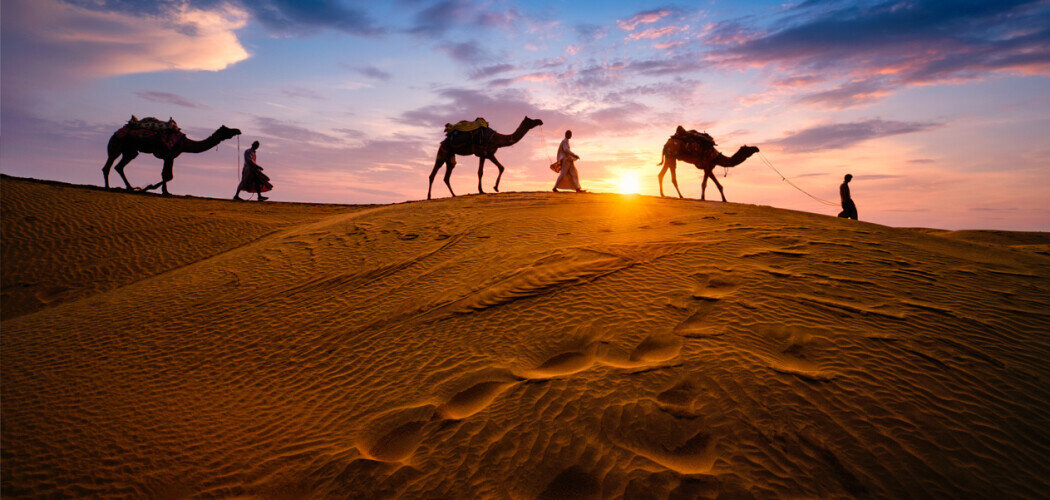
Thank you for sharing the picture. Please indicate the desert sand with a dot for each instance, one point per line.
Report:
(519, 345)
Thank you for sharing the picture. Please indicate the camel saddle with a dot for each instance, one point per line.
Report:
(693, 136)
(151, 123)
(465, 126)
(151, 128)
(473, 135)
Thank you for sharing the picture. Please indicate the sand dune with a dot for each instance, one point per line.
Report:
(518, 345)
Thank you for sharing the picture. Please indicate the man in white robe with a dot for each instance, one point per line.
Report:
(568, 178)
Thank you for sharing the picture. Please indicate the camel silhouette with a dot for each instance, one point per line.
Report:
(483, 143)
(165, 143)
(699, 150)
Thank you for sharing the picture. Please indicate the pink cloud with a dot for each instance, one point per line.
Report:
(535, 77)
(92, 43)
(652, 33)
(666, 45)
(647, 17)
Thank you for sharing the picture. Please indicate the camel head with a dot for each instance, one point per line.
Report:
(225, 132)
(749, 150)
(530, 123)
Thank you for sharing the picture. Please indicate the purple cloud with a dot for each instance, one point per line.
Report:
(374, 72)
(849, 94)
(284, 17)
(885, 46)
(169, 98)
(466, 52)
(301, 92)
(493, 70)
(842, 135)
(437, 19)
(287, 132)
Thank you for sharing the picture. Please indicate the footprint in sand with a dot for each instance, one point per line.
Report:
(565, 363)
(795, 353)
(649, 353)
(680, 395)
(679, 442)
(395, 435)
(474, 393)
(709, 289)
(657, 348)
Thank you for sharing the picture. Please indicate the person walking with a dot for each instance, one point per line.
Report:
(849, 209)
(253, 180)
(568, 178)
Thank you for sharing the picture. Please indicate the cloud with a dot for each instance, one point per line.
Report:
(646, 17)
(169, 98)
(842, 135)
(301, 92)
(305, 17)
(279, 17)
(466, 52)
(667, 45)
(493, 70)
(652, 33)
(54, 44)
(878, 48)
(437, 19)
(374, 72)
(287, 132)
(590, 32)
(849, 94)
(684, 63)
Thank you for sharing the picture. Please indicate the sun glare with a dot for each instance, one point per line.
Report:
(629, 184)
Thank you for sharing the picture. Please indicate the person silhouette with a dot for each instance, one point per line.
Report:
(253, 180)
(849, 209)
(568, 178)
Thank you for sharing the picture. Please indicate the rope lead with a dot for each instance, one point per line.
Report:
(785, 179)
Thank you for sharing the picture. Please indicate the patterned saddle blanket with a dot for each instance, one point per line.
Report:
(151, 123)
(465, 126)
(149, 128)
(693, 136)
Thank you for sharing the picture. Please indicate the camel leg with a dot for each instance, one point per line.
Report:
(105, 169)
(492, 157)
(717, 184)
(703, 185)
(119, 167)
(481, 169)
(165, 176)
(661, 176)
(449, 165)
(433, 173)
(672, 163)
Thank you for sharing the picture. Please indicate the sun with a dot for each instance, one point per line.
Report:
(629, 184)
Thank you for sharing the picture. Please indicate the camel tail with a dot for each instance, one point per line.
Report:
(663, 158)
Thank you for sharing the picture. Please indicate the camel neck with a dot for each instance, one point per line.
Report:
(192, 146)
(507, 140)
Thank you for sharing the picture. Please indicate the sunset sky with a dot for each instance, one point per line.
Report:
(940, 109)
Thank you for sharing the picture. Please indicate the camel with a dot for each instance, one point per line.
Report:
(482, 143)
(165, 143)
(699, 150)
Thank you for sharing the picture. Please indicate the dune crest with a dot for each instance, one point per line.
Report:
(520, 345)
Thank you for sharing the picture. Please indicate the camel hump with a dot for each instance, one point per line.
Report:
(151, 123)
(466, 126)
(693, 136)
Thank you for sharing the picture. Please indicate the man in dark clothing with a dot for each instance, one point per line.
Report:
(849, 209)
(253, 180)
